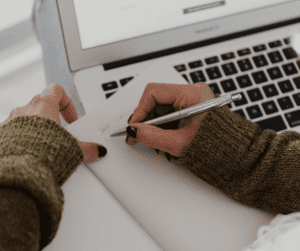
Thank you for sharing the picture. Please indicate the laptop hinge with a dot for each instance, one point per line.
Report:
(153, 55)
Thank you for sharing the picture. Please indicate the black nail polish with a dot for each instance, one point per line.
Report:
(102, 151)
(168, 156)
(131, 131)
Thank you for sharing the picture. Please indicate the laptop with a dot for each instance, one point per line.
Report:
(247, 47)
(234, 46)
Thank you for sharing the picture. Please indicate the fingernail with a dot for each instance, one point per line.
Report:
(127, 138)
(131, 131)
(102, 151)
(168, 156)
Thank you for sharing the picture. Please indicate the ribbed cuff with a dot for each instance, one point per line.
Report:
(26, 174)
(37, 155)
(218, 147)
(44, 139)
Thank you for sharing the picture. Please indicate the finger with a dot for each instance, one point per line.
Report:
(176, 94)
(180, 96)
(188, 131)
(130, 118)
(56, 94)
(171, 141)
(148, 103)
(129, 140)
(153, 93)
(90, 151)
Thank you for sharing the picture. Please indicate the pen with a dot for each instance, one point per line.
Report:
(188, 112)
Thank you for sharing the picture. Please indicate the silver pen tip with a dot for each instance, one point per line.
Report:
(236, 97)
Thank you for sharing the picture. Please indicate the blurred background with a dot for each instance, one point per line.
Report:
(22, 74)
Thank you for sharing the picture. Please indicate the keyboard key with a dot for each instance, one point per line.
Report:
(185, 77)
(213, 73)
(254, 112)
(285, 86)
(195, 64)
(285, 103)
(297, 98)
(276, 123)
(298, 63)
(125, 81)
(258, 48)
(240, 112)
(260, 61)
(293, 118)
(229, 106)
(297, 82)
(229, 69)
(109, 86)
(228, 55)
(109, 94)
(270, 107)
(275, 73)
(259, 77)
(242, 101)
(275, 57)
(215, 89)
(244, 52)
(180, 68)
(212, 60)
(228, 85)
(287, 40)
(289, 69)
(198, 76)
(244, 81)
(255, 95)
(290, 53)
(270, 90)
(245, 65)
(275, 44)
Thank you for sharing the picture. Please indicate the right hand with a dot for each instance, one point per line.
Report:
(161, 99)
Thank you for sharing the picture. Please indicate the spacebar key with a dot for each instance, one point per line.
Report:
(275, 123)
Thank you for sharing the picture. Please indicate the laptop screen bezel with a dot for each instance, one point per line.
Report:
(79, 58)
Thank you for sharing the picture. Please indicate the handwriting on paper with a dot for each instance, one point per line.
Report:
(115, 124)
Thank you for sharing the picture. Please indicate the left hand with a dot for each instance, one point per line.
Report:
(48, 104)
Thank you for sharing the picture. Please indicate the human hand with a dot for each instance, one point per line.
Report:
(161, 99)
(48, 104)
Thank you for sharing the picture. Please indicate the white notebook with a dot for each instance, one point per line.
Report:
(175, 208)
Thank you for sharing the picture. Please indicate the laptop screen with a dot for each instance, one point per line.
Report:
(106, 22)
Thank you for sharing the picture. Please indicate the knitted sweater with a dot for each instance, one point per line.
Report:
(37, 155)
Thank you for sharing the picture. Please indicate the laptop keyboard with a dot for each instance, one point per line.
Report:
(266, 75)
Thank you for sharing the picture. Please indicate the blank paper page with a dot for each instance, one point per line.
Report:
(94, 220)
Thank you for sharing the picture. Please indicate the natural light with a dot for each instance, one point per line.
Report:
(14, 12)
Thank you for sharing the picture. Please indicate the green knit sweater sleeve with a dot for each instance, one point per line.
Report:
(256, 168)
(37, 155)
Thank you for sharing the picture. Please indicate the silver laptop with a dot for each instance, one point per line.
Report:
(234, 46)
